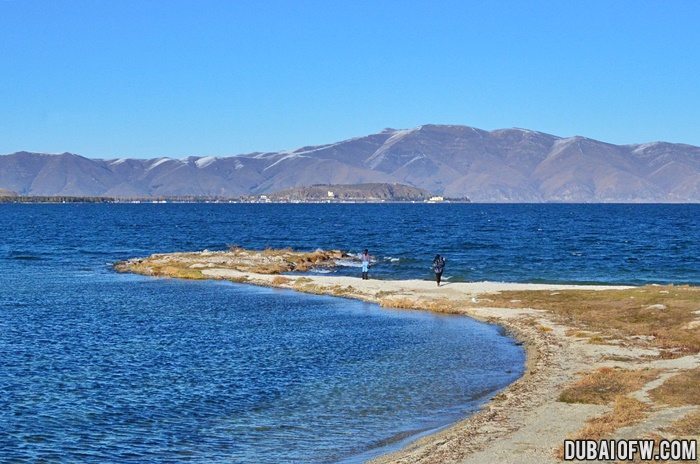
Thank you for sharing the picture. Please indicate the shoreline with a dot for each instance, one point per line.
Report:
(525, 422)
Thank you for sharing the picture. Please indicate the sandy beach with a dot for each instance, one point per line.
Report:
(643, 367)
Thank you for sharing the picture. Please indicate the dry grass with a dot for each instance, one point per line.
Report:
(441, 305)
(383, 294)
(163, 268)
(270, 252)
(398, 302)
(438, 305)
(279, 280)
(662, 314)
(605, 384)
(686, 426)
(269, 261)
(626, 411)
(313, 289)
(270, 268)
(680, 390)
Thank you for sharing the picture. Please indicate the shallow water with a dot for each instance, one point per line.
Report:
(102, 367)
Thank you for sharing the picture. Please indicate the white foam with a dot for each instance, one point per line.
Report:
(347, 263)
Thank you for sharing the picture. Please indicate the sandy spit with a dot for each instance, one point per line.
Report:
(525, 423)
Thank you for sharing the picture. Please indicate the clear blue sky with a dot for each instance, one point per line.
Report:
(147, 78)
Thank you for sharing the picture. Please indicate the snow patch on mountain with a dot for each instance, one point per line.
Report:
(205, 161)
(378, 156)
(159, 162)
(285, 158)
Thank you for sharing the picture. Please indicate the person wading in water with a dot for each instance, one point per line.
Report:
(438, 268)
(365, 257)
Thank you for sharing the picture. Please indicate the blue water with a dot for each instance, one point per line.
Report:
(102, 367)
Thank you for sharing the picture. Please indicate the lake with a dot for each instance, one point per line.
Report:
(98, 366)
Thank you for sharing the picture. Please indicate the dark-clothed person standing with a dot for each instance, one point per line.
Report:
(438, 268)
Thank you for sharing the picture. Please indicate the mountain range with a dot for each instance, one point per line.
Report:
(506, 165)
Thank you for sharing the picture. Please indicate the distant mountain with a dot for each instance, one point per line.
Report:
(7, 193)
(358, 192)
(508, 165)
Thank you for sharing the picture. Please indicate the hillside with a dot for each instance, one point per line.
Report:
(508, 165)
(356, 192)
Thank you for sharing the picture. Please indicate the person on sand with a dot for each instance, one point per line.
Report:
(438, 268)
(365, 257)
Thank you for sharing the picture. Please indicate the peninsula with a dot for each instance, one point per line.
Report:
(602, 361)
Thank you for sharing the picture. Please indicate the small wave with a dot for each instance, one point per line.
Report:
(347, 263)
(25, 257)
(321, 271)
(392, 259)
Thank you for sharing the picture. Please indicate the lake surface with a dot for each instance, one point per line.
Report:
(96, 366)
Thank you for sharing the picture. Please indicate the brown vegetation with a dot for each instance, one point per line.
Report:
(267, 261)
(681, 389)
(626, 411)
(438, 305)
(280, 280)
(688, 425)
(664, 316)
(605, 384)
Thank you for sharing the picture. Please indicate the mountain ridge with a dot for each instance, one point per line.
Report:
(503, 165)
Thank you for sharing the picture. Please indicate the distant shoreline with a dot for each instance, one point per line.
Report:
(210, 200)
(207, 200)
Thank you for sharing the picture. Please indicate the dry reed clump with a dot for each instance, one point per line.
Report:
(302, 281)
(160, 268)
(605, 384)
(269, 261)
(383, 294)
(180, 273)
(688, 425)
(270, 268)
(663, 315)
(439, 305)
(398, 302)
(280, 280)
(269, 252)
(626, 411)
(680, 390)
(339, 290)
(312, 288)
